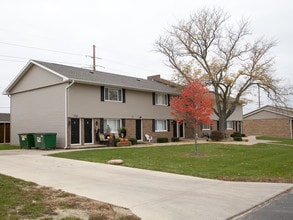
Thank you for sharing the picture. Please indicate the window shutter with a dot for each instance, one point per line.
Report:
(169, 97)
(168, 124)
(102, 94)
(123, 96)
(102, 125)
(154, 98)
(154, 125)
(123, 122)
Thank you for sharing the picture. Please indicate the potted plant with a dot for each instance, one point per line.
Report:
(122, 132)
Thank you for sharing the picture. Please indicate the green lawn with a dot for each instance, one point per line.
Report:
(16, 201)
(261, 162)
(8, 147)
(280, 140)
(26, 200)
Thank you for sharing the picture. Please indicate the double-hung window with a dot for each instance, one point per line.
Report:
(113, 94)
(161, 125)
(161, 99)
(112, 124)
(229, 125)
(206, 127)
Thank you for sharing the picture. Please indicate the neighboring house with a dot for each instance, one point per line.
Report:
(77, 104)
(269, 121)
(4, 128)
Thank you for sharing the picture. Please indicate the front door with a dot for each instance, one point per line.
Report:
(138, 129)
(75, 134)
(88, 133)
(181, 130)
(175, 124)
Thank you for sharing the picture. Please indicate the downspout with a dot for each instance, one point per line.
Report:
(291, 128)
(66, 113)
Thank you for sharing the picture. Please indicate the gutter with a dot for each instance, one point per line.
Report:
(66, 113)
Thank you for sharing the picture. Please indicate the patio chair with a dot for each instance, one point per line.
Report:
(148, 138)
(103, 140)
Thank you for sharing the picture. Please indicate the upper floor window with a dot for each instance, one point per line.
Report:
(113, 94)
(161, 99)
(229, 125)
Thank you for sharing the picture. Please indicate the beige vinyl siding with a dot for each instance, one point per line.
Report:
(40, 110)
(237, 115)
(85, 101)
(36, 77)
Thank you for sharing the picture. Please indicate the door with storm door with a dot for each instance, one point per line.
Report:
(88, 131)
(75, 132)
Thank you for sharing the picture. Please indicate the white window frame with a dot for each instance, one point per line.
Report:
(118, 97)
(229, 125)
(113, 123)
(163, 126)
(161, 99)
(206, 127)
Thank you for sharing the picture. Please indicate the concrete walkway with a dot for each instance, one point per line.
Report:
(149, 194)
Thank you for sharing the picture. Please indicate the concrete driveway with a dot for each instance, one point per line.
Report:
(150, 195)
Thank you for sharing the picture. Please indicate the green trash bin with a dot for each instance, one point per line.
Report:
(26, 140)
(45, 140)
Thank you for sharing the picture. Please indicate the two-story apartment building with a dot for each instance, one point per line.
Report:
(78, 103)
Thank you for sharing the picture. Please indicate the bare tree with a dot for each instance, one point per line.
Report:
(209, 47)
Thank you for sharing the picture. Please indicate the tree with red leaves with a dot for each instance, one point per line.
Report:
(194, 106)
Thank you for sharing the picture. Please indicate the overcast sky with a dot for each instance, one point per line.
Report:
(124, 32)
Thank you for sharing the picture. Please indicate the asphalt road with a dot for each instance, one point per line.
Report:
(280, 207)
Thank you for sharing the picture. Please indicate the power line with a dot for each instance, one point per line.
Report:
(139, 68)
(38, 48)
(17, 61)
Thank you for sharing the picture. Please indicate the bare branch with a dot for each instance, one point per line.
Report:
(206, 46)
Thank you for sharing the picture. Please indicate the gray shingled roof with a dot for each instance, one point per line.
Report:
(4, 117)
(110, 79)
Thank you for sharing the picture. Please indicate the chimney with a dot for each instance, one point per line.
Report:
(158, 78)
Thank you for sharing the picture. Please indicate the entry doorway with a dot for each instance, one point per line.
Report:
(178, 129)
(88, 131)
(182, 130)
(138, 129)
(75, 130)
(175, 129)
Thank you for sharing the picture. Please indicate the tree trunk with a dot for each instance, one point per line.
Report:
(222, 125)
(195, 139)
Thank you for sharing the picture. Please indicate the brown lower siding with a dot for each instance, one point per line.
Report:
(268, 127)
(130, 124)
(4, 133)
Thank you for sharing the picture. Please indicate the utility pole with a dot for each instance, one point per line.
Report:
(94, 58)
